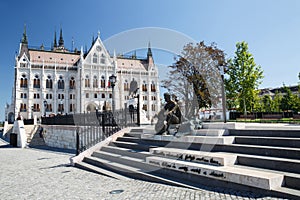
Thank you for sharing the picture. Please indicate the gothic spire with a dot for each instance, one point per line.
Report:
(61, 40)
(149, 53)
(54, 43)
(93, 40)
(24, 38)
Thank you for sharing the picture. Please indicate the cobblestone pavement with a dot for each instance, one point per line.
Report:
(39, 174)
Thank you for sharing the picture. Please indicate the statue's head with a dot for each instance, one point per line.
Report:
(167, 97)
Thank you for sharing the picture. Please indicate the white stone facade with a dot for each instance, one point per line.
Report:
(57, 81)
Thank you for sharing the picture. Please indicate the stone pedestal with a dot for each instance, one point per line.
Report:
(20, 131)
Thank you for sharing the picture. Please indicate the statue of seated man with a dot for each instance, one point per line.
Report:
(172, 114)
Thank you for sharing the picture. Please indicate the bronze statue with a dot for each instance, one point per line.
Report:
(171, 114)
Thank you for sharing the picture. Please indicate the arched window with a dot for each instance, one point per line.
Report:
(95, 58)
(144, 86)
(23, 107)
(72, 83)
(145, 108)
(61, 83)
(95, 82)
(49, 84)
(153, 88)
(102, 59)
(36, 82)
(23, 81)
(126, 85)
(102, 82)
(153, 107)
(87, 81)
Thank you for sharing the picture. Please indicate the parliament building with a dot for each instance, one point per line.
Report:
(59, 81)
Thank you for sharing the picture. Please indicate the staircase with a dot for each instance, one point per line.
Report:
(265, 161)
(34, 136)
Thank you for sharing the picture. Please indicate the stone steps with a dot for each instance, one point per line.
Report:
(268, 141)
(252, 178)
(132, 145)
(98, 170)
(126, 152)
(265, 133)
(138, 168)
(193, 139)
(272, 163)
(291, 180)
(134, 172)
(30, 131)
(211, 132)
(273, 151)
(211, 158)
(254, 162)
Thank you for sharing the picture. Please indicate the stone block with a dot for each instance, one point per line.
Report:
(192, 139)
(221, 125)
(249, 177)
(211, 158)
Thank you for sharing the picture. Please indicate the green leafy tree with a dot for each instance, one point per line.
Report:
(287, 102)
(243, 79)
(267, 103)
(277, 102)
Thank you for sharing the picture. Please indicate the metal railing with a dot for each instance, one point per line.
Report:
(95, 127)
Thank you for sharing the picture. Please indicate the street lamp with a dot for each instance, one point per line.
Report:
(223, 94)
(112, 81)
(32, 110)
(61, 106)
(45, 107)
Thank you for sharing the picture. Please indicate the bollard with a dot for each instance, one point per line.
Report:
(13, 140)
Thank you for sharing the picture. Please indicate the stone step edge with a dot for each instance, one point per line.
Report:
(204, 152)
(141, 172)
(98, 170)
(194, 139)
(121, 149)
(267, 138)
(247, 177)
(211, 158)
(200, 132)
(99, 153)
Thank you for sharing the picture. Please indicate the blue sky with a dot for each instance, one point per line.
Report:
(270, 27)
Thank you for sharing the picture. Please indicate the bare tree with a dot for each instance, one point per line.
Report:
(195, 76)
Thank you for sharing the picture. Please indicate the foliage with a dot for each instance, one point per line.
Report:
(267, 103)
(243, 79)
(277, 102)
(197, 75)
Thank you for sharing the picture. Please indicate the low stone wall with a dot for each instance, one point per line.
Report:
(60, 136)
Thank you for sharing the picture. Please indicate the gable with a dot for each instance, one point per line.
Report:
(98, 54)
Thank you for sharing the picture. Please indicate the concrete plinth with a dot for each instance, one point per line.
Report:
(253, 178)
(211, 158)
(192, 139)
(221, 125)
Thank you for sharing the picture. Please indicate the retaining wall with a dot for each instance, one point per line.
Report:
(60, 136)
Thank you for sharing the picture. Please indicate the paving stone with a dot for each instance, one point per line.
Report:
(40, 174)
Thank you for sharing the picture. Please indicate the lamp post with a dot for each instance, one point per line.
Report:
(45, 107)
(32, 110)
(61, 106)
(223, 94)
(113, 80)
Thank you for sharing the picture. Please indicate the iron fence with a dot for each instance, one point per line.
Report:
(263, 115)
(95, 127)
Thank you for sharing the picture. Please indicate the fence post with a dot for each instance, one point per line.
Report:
(125, 115)
(77, 141)
(138, 110)
(103, 122)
